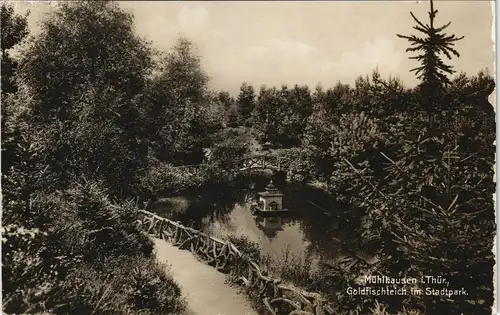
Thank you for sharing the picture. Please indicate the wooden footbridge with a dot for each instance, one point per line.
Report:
(276, 298)
(274, 163)
(262, 162)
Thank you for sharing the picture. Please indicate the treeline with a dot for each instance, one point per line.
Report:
(285, 116)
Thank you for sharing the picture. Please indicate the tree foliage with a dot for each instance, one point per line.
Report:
(280, 116)
(14, 30)
(181, 110)
(431, 215)
(82, 81)
(419, 186)
(245, 103)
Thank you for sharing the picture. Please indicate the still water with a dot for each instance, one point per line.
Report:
(273, 234)
(308, 231)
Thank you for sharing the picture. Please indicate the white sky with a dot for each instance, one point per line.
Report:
(296, 42)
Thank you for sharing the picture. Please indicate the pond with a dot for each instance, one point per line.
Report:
(307, 231)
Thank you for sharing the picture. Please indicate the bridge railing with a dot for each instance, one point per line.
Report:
(276, 297)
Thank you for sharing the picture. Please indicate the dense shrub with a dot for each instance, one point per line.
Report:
(125, 285)
(229, 148)
(131, 286)
(89, 256)
(329, 140)
(165, 179)
(246, 246)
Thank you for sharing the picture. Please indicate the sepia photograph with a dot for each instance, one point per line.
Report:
(248, 158)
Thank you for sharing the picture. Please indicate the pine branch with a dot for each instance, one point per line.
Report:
(420, 29)
(418, 22)
(363, 178)
(439, 29)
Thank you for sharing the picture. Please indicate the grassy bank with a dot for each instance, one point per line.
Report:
(291, 269)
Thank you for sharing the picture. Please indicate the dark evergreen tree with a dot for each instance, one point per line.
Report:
(227, 104)
(225, 99)
(432, 70)
(338, 99)
(246, 103)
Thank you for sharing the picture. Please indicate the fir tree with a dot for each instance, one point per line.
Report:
(432, 71)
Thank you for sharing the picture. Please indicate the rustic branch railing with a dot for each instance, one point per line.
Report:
(263, 162)
(276, 297)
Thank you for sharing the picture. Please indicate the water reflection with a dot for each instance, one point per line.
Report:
(273, 238)
(269, 225)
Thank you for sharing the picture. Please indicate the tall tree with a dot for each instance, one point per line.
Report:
(84, 75)
(318, 96)
(432, 70)
(266, 115)
(180, 113)
(296, 108)
(228, 104)
(246, 103)
(225, 99)
(339, 99)
(182, 72)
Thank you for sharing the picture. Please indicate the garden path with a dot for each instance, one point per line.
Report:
(205, 289)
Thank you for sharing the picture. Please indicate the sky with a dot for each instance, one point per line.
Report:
(311, 42)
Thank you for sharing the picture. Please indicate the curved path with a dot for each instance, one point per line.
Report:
(203, 286)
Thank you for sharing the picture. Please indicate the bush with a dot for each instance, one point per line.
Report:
(90, 257)
(165, 179)
(125, 286)
(129, 286)
(55, 238)
(246, 246)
